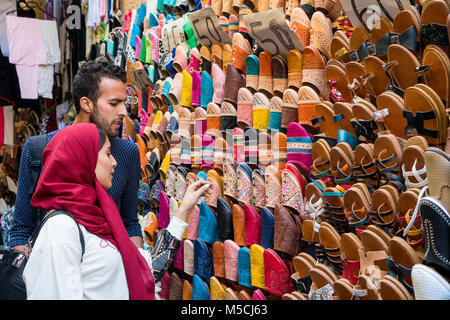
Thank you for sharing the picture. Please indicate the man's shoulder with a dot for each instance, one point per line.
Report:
(123, 147)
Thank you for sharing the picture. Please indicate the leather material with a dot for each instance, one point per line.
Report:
(279, 156)
(251, 146)
(200, 290)
(170, 180)
(286, 232)
(244, 183)
(203, 261)
(252, 75)
(245, 108)
(292, 183)
(180, 183)
(172, 127)
(164, 214)
(257, 266)
(180, 60)
(238, 145)
(275, 113)
(280, 75)
(261, 111)
(295, 66)
(233, 82)
(252, 226)
(239, 225)
(244, 273)
(194, 61)
(186, 153)
(188, 249)
(258, 295)
(277, 276)
(193, 221)
(150, 226)
(187, 290)
(217, 290)
(313, 69)
(218, 77)
(289, 109)
(259, 188)
(213, 119)
(176, 89)
(225, 220)
(299, 146)
(196, 88)
(207, 226)
(267, 228)
(216, 190)
(207, 151)
(220, 151)
(228, 116)
(176, 287)
(200, 123)
(231, 250)
(186, 93)
(219, 259)
(265, 84)
(240, 50)
(196, 151)
(207, 90)
(165, 286)
(226, 53)
(264, 149)
(230, 178)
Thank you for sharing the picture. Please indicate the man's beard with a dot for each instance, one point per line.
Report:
(96, 118)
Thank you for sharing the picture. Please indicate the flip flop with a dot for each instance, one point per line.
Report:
(394, 120)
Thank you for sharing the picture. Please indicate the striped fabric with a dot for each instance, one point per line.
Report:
(207, 152)
(238, 145)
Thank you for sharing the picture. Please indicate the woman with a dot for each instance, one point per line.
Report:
(77, 170)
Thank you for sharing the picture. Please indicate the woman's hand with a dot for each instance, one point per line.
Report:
(190, 199)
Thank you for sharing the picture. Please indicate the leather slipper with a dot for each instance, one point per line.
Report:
(280, 75)
(220, 151)
(216, 190)
(176, 287)
(303, 264)
(184, 122)
(261, 111)
(295, 66)
(185, 157)
(259, 189)
(207, 225)
(252, 225)
(265, 84)
(241, 49)
(244, 273)
(243, 295)
(287, 232)
(299, 147)
(225, 220)
(257, 266)
(321, 33)
(219, 259)
(358, 44)
(273, 186)
(205, 60)
(307, 100)
(239, 225)
(176, 89)
(173, 125)
(188, 250)
(251, 146)
(405, 30)
(175, 150)
(226, 51)
(200, 124)
(289, 108)
(300, 23)
(233, 82)
(203, 261)
(277, 276)
(267, 228)
(187, 290)
(244, 108)
(264, 149)
(404, 72)
(218, 77)
(192, 228)
(252, 74)
(231, 250)
(196, 151)
(212, 119)
(206, 90)
(244, 183)
(207, 152)
(230, 179)
(228, 116)
(314, 70)
(276, 104)
(217, 290)
(238, 145)
(230, 294)
(180, 183)
(200, 290)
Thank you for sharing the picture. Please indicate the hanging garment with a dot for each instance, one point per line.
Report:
(6, 125)
(46, 72)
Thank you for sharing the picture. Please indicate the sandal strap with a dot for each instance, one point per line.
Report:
(303, 284)
(416, 122)
(349, 267)
(359, 54)
(365, 128)
(406, 39)
(416, 210)
(324, 293)
(416, 174)
(433, 33)
(399, 271)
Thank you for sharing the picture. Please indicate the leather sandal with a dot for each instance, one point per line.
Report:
(323, 279)
(434, 22)
(340, 47)
(437, 76)
(351, 245)
(393, 289)
(330, 241)
(376, 247)
(337, 76)
(365, 289)
(313, 198)
(343, 289)
(413, 167)
(365, 170)
(357, 207)
(324, 119)
(321, 166)
(342, 160)
(384, 208)
(411, 228)
(334, 210)
(303, 264)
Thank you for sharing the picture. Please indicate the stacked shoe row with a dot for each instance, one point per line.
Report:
(320, 183)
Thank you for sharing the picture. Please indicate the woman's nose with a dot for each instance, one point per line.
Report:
(114, 162)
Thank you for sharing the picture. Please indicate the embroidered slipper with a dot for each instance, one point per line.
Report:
(184, 123)
(265, 84)
(244, 183)
(314, 70)
(231, 250)
(244, 108)
(287, 232)
(238, 145)
(170, 180)
(220, 151)
(225, 220)
(185, 159)
(264, 149)
(180, 183)
(239, 225)
(212, 119)
(219, 259)
(228, 116)
(203, 261)
(342, 160)
(261, 111)
(434, 22)
(384, 208)
(289, 109)
(176, 287)
(300, 23)
(273, 186)
(330, 241)
(321, 33)
(392, 289)
(437, 76)
(277, 275)
(252, 74)
(257, 266)
(364, 170)
(200, 290)
(293, 186)
(216, 190)
(233, 23)
(230, 294)
(230, 178)
(259, 189)
(276, 104)
(280, 75)
(217, 290)
(295, 66)
(279, 150)
(188, 250)
(193, 220)
(241, 49)
(206, 90)
(196, 152)
(244, 273)
(207, 152)
(218, 77)
(351, 245)
(299, 147)
(388, 153)
(251, 146)
(175, 150)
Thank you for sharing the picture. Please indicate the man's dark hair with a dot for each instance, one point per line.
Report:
(103, 136)
(86, 82)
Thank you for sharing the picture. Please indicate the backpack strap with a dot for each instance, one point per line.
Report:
(37, 146)
(35, 234)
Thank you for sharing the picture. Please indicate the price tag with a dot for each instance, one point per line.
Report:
(271, 32)
(141, 79)
(172, 35)
(207, 28)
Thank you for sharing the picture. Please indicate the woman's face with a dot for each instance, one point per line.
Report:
(105, 165)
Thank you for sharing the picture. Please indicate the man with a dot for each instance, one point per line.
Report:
(99, 94)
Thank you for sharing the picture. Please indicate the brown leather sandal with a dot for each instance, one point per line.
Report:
(365, 170)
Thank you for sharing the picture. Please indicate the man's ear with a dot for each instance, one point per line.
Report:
(86, 104)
